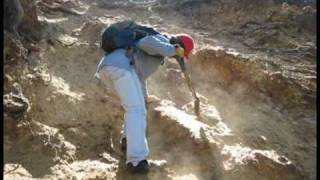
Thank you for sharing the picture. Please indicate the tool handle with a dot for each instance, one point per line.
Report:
(190, 85)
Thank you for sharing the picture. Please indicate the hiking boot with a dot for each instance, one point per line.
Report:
(142, 167)
(123, 144)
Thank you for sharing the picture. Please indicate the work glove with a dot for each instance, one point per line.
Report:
(179, 51)
(179, 56)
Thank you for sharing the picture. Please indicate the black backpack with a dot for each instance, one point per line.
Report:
(123, 35)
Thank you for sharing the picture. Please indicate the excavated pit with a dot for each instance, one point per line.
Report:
(63, 124)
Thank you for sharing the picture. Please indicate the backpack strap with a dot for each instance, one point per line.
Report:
(130, 53)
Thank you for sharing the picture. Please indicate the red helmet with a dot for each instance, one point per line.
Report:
(187, 43)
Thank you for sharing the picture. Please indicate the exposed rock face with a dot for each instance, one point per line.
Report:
(15, 104)
(214, 141)
(13, 51)
(44, 142)
(231, 73)
(253, 70)
(16, 171)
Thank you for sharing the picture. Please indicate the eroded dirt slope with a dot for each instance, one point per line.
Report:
(253, 68)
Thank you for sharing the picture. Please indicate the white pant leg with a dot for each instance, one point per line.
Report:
(128, 87)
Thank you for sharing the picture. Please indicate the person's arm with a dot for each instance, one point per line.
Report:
(157, 45)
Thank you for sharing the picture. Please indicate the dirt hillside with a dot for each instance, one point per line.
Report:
(254, 69)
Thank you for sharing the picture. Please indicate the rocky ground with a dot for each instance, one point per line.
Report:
(254, 69)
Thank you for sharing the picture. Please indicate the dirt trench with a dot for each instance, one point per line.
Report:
(72, 128)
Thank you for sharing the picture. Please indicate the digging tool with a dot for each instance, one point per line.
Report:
(191, 87)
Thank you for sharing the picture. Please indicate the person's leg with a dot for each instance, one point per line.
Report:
(136, 130)
(129, 89)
